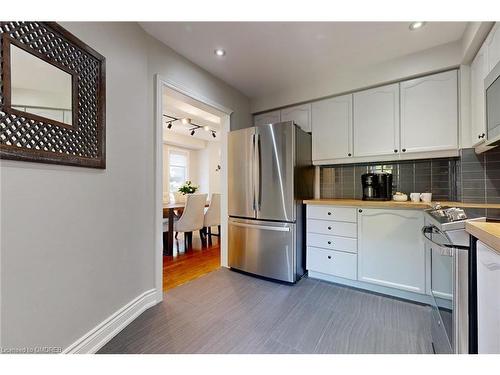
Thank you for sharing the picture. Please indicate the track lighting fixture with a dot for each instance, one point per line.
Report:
(188, 121)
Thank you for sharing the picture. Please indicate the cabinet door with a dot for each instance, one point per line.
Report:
(267, 118)
(488, 299)
(376, 121)
(301, 115)
(493, 45)
(429, 113)
(391, 249)
(332, 128)
(478, 70)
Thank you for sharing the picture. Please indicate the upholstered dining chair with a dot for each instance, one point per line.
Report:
(212, 215)
(191, 219)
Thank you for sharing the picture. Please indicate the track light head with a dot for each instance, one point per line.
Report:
(192, 132)
(213, 134)
(169, 126)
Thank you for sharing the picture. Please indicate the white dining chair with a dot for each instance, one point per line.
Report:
(212, 215)
(191, 219)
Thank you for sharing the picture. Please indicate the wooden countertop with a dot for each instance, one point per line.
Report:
(488, 233)
(394, 204)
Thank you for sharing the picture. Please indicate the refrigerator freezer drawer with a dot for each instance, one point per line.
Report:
(263, 248)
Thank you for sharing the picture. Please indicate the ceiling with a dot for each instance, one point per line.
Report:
(266, 57)
(180, 106)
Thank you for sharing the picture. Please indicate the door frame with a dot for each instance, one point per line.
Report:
(161, 82)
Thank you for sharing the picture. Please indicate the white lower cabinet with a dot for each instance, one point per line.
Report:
(331, 262)
(488, 299)
(381, 250)
(390, 249)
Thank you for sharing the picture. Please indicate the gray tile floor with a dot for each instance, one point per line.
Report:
(227, 312)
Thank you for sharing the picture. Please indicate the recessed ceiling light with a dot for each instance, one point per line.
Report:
(206, 128)
(186, 121)
(220, 52)
(416, 25)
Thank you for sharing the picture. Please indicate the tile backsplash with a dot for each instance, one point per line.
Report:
(437, 176)
(469, 178)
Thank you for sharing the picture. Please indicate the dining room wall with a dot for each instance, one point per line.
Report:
(77, 244)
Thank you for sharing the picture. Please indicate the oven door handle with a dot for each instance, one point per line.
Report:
(429, 229)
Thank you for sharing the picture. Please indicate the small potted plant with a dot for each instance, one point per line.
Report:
(186, 188)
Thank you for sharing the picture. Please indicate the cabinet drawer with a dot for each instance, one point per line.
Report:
(334, 228)
(332, 242)
(332, 262)
(347, 214)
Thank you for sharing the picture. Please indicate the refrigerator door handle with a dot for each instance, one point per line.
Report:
(252, 172)
(259, 175)
(264, 227)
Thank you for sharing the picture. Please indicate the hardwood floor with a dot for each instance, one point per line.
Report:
(228, 312)
(191, 263)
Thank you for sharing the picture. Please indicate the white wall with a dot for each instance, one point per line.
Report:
(78, 244)
(208, 177)
(437, 58)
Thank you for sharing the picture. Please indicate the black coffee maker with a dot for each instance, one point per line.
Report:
(377, 186)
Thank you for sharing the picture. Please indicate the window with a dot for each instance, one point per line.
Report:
(178, 162)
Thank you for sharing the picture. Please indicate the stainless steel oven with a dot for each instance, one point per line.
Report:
(448, 251)
(447, 244)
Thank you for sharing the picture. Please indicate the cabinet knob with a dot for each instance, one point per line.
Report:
(479, 136)
(329, 242)
(329, 228)
(360, 210)
(404, 150)
(395, 150)
(329, 213)
(483, 135)
(349, 154)
(329, 257)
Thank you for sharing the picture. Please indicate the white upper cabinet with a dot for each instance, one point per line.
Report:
(376, 121)
(332, 128)
(478, 71)
(493, 46)
(300, 114)
(391, 249)
(267, 118)
(429, 113)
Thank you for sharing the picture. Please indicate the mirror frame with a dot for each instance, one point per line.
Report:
(29, 137)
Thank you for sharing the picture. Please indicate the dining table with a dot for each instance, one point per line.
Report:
(169, 212)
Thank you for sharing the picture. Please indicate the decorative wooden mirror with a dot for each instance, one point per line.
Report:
(52, 96)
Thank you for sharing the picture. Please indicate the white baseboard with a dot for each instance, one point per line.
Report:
(96, 338)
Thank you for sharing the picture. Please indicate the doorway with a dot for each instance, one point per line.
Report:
(191, 146)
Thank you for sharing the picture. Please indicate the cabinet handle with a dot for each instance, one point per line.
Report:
(329, 257)
(395, 150)
(404, 150)
(329, 228)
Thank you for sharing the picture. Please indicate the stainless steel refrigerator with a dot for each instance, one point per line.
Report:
(270, 172)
